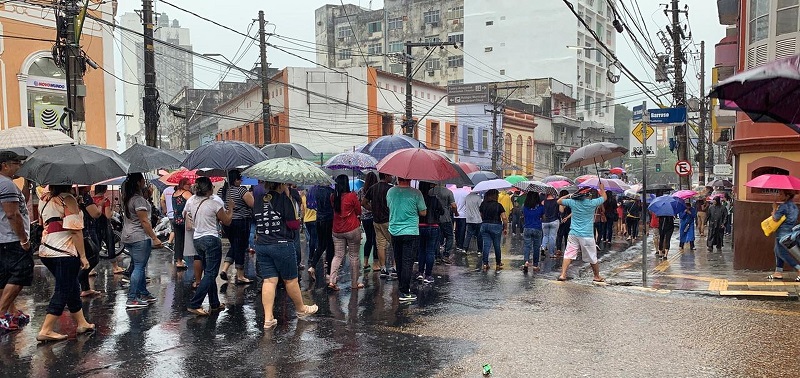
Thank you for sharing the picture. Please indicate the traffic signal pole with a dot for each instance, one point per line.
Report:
(645, 213)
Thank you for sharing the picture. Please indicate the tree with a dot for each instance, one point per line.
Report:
(622, 130)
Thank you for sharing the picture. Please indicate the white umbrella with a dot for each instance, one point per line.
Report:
(23, 136)
(491, 184)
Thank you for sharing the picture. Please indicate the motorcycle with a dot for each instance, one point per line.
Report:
(163, 229)
(114, 237)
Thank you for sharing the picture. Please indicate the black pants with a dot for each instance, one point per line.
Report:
(370, 244)
(633, 227)
(238, 234)
(666, 226)
(180, 237)
(561, 236)
(93, 258)
(461, 231)
(406, 248)
(324, 243)
(67, 291)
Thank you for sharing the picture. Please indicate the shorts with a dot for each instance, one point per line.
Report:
(586, 245)
(16, 265)
(382, 236)
(276, 260)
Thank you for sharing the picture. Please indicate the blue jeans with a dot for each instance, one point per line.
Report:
(140, 255)
(209, 249)
(461, 231)
(491, 234)
(550, 232)
(473, 229)
(428, 244)
(532, 243)
(311, 238)
(446, 235)
(782, 254)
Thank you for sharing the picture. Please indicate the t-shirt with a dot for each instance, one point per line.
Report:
(472, 205)
(347, 219)
(446, 198)
(271, 212)
(460, 197)
(376, 195)
(550, 210)
(582, 216)
(240, 208)
(405, 203)
(533, 217)
(491, 212)
(204, 215)
(166, 197)
(132, 230)
(504, 199)
(10, 193)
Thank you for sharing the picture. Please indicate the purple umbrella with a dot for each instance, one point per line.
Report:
(351, 160)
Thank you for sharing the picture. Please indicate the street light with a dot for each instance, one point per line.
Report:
(610, 75)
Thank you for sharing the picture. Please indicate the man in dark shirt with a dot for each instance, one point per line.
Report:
(322, 195)
(375, 200)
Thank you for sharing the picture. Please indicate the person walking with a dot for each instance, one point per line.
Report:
(322, 198)
(375, 201)
(168, 210)
(202, 212)
(717, 213)
(63, 253)
(310, 223)
(580, 233)
(666, 227)
(103, 225)
(728, 203)
(346, 233)
(565, 221)
(472, 214)
(459, 219)
(406, 205)
(429, 229)
(238, 232)
(138, 237)
(90, 213)
(688, 219)
(178, 199)
(701, 207)
(532, 212)
(276, 224)
(633, 217)
(611, 217)
(446, 233)
(599, 225)
(367, 222)
(495, 222)
(788, 209)
(550, 225)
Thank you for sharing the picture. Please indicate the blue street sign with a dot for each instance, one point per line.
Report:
(667, 116)
(637, 112)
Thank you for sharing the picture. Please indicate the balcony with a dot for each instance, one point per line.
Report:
(726, 52)
(728, 11)
(560, 120)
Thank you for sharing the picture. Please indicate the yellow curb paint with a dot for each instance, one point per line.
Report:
(718, 285)
(756, 293)
(689, 277)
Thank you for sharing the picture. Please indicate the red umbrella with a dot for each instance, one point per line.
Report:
(559, 184)
(617, 171)
(417, 164)
(468, 167)
(175, 177)
(769, 181)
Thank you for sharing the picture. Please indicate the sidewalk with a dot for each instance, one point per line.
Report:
(699, 271)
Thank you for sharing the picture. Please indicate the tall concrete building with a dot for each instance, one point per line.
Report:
(174, 72)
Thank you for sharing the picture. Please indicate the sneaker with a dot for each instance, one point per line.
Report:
(135, 303)
(149, 298)
(420, 277)
(407, 297)
(127, 278)
(384, 273)
(393, 273)
(22, 318)
(428, 279)
(8, 323)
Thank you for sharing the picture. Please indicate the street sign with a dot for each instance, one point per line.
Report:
(642, 132)
(667, 116)
(723, 170)
(637, 151)
(461, 94)
(683, 168)
(638, 110)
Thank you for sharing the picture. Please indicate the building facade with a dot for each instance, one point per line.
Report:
(34, 88)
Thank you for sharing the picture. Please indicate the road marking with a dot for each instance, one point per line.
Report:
(759, 293)
(718, 285)
(689, 277)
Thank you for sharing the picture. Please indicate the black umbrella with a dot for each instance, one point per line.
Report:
(720, 183)
(477, 177)
(279, 150)
(462, 179)
(145, 158)
(70, 164)
(22, 151)
(594, 153)
(217, 158)
(387, 144)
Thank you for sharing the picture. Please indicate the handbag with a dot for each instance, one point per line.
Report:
(91, 249)
(770, 225)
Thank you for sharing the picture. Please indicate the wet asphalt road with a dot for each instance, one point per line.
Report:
(522, 325)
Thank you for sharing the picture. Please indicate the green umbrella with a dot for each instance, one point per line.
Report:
(288, 170)
(513, 179)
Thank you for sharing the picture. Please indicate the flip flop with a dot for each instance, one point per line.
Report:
(47, 338)
(600, 280)
(270, 324)
(218, 308)
(359, 286)
(243, 281)
(773, 277)
(197, 311)
(562, 279)
(309, 310)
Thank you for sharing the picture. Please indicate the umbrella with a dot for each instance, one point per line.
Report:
(69, 164)
(117, 181)
(617, 170)
(559, 184)
(216, 158)
(461, 180)
(666, 206)
(351, 160)
(418, 164)
(513, 179)
(535, 186)
(608, 184)
(145, 158)
(385, 145)
(192, 175)
(356, 184)
(468, 167)
(769, 93)
(684, 194)
(583, 178)
(289, 170)
(720, 183)
(23, 136)
(549, 179)
(620, 183)
(279, 150)
(594, 153)
(770, 181)
(22, 151)
(477, 177)
(655, 188)
(491, 184)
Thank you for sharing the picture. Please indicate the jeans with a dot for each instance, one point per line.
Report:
(209, 249)
(599, 231)
(67, 292)
(238, 233)
(180, 238)
(609, 232)
(550, 232)
(276, 260)
(461, 231)
(531, 243)
(405, 248)
(473, 229)
(93, 259)
(371, 244)
(491, 234)
(324, 243)
(633, 227)
(140, 255)
(311, 238)
(350, 243)
(445, 234)
(517, 223)
(782, 254)
(428, 244)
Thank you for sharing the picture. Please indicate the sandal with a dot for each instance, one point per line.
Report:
(80, 330)
(89, 293)
(562, 278)
(197, 311)
(775, 277)
(367, 268)
(309, 310)
(46, 338)
(270, 324)
(119, 270)
(218, 308)
(600, 280)
(359, 286)
(243, 281)
(333, 287)
(181, 266)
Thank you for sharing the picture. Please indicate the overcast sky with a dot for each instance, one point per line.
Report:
(295, 19)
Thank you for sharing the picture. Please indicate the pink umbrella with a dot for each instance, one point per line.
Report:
(583, 178)
(559, 184)
(775, 182)
(684, 194)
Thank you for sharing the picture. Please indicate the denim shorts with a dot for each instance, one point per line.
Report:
(276, 260)
(16, 265)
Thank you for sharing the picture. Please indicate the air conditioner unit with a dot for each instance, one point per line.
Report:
(430, 72)
(601, 114)
(580, 118)
(341, 39)
(422, 27)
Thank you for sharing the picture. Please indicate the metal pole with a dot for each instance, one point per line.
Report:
(265, 108)
(679, 94)
(645, 213)
(75, 87)
(495, 137)
(701, 140)
(409, 124)
(149, 101)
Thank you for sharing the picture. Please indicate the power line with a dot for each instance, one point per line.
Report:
(208, 20)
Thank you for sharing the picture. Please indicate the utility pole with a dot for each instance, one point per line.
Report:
(679, 92)
(496, 137)
(265, 108)
(701, 140)
(409, 125)
(645, 213)
(150, 99)
(76, 90)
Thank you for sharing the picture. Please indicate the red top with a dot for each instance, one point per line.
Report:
(653, 220)
(347, 219)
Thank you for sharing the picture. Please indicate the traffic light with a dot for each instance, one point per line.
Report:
(658, 167)
(672, 145)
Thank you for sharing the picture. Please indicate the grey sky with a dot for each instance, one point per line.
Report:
(295, 19)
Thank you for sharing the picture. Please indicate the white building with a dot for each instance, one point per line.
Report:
(174, 71)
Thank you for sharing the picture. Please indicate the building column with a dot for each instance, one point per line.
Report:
(23, 99)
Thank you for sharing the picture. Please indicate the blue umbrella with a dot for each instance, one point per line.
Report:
(666, 206)
(356, 184)
(387, 144)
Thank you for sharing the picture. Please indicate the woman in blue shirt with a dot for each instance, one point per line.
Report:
(789, 209)
(532, 211)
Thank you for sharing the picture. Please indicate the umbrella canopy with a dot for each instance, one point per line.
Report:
(190, 174)
(69, 165)
(615, 186)
(22, 136)
(720, 183)
(468, 167)
(594, 153)
(216, 158)
(535, 186)
(684, 194)
(491, 184)
(279, 150)
(418, 164)
(385, 145)
(145, 158)
(552, 178)
(461, 180)
(769, 181)
(583, 178)
(617, 170)
(666, 206)
(655, 188)
(289, 170)
(356, 184)
(479, 176)
(513, 179)
(351, 160)
(558, 184)
(769, 93)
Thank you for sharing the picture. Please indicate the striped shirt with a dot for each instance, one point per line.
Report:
(240, 208)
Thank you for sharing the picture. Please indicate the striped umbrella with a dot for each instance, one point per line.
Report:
(536, 186)
(22, 136)
(351, 160)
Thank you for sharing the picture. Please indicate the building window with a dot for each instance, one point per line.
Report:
(434, 135)
(452, 141)
(456, 38)
(457, 12)
(47, 94)
(487, 49)
(786, 17)
(455, 82)
(502, 72)
(485, 139)
(344, 32)
(455, 61)
(588, 50)
(489, 23)
(587, 77)
(759, 20)
(395, 23)
(507, 151)
(587, 103)
(375, 49)
(598, 28)
(471, 138)
(598, 80)
(387, 124)
(432, 64)
(529, 155)
(345, 54)
(396, 69)
(396, 47)
(519, 151)
(374, 27)
(431, 17)
(432, 39)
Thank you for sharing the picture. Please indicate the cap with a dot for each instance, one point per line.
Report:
(11, 156)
